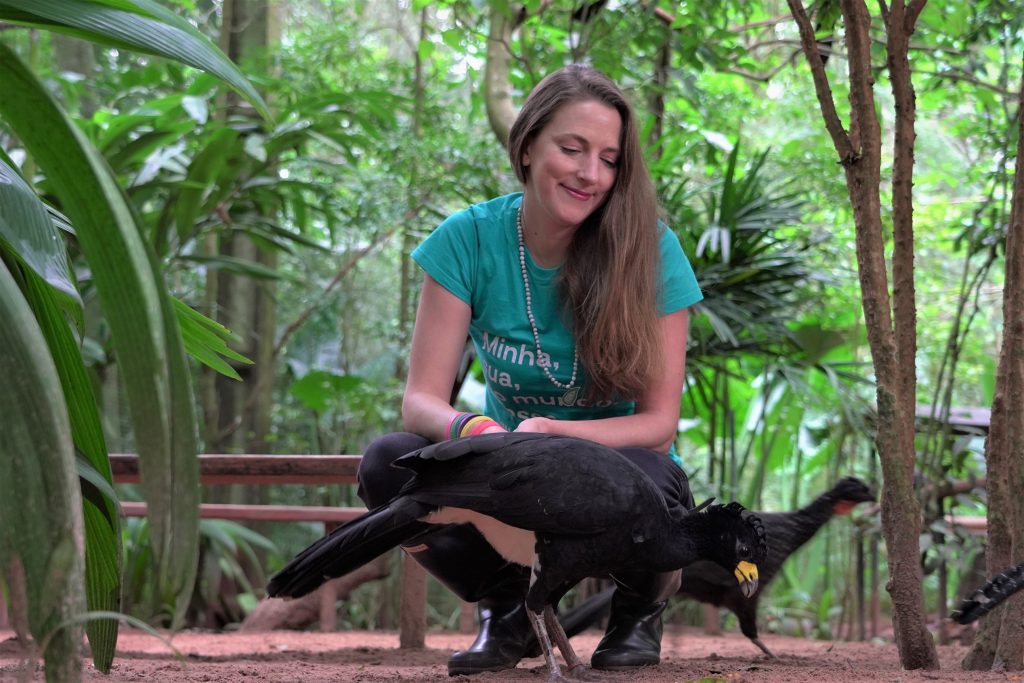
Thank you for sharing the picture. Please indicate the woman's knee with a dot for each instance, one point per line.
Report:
(670, 479)
(379, 482)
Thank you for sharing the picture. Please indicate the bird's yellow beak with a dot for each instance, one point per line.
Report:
(746, 574)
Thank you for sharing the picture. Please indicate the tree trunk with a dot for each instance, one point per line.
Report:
(659, 84)
(890, 324)
(1000, 641)
(501, 113)
(239, 412)
(79, 56)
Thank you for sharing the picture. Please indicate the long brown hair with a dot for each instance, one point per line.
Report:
(609, 281)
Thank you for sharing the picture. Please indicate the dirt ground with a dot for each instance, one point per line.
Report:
(688, 655)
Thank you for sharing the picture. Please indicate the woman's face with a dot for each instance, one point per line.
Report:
(572, 163)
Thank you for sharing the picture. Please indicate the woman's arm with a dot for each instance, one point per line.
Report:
(438, 339)
(656, 419)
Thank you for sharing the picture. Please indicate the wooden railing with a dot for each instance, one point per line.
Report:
(292, 469)
(256, 469)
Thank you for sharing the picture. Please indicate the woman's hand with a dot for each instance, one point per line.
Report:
(494, 429)
(538, 425)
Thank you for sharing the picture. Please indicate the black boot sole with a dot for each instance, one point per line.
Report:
(472, 670)
(624, 667)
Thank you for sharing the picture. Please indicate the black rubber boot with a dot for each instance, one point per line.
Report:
(633, 636)
(505, 637)
(460, 558)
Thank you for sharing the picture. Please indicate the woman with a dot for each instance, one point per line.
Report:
(576, 299)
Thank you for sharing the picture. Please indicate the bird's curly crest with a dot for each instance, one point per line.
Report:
(741, 513)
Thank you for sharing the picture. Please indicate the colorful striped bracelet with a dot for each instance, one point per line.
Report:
(478, 427)
(456, 424)
(469, 424)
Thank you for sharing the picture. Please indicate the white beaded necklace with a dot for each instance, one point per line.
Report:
(572, 391)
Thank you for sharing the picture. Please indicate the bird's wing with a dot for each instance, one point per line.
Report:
(542, 483)
(470, 446)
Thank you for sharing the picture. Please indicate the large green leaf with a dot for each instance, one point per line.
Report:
(102, 523)
(207, 340)
(146, 341)
(180, 561)
(27, 232)
(142, 25)
(41, 546)
(32, 239)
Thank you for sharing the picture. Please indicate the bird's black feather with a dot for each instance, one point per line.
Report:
(540, 482)
(592, 510)
(989, 596)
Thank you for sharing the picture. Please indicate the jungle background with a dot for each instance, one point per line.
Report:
(241, 244)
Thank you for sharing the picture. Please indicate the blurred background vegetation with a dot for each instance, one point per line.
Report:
(294, 234)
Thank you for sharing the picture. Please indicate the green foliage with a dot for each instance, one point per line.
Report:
(206, 340)
(755, 341)
(141, 25)
(40, 509)
(123, 274)
(778, 386)
(777, 375)
(771, 395)
(144, 331)
(320, 390)
(230, 577)
(231, 573)
(31, 240)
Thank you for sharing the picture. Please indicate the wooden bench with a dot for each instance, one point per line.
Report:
(292, 469)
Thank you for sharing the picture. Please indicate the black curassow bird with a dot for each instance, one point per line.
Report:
(988, 597)
(706, 582)
(566, 507)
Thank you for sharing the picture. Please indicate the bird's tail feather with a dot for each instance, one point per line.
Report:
(349, 547)
(989, 596)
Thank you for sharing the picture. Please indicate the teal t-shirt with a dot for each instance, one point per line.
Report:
(474, 254)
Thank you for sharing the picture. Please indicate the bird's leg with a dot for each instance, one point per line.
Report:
(545, 645)
(537, 621)
(577, 669)
(764, 648)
